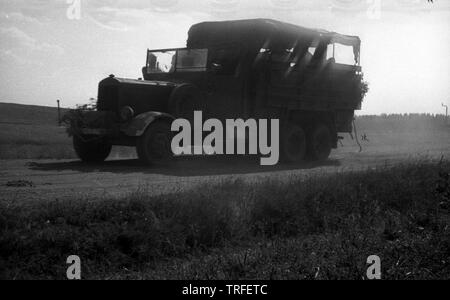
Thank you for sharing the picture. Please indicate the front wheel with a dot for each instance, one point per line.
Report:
(92, 149)
(155, 145)
(320, 143)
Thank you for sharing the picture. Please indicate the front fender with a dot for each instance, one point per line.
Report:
(138, 126)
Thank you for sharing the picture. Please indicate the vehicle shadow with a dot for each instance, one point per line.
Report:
(181, 167)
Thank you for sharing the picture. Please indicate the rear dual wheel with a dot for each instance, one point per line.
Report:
(320, 143)
(293, 144)
(297, 145)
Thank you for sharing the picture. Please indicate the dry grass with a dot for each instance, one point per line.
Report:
(34, 142)
(322, 228)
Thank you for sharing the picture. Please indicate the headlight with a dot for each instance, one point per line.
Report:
(126, 113)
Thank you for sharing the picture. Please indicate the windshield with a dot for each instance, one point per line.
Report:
(181, 60)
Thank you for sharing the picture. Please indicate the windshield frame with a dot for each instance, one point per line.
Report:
(176, 68)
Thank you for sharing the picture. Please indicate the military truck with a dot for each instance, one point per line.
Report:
(260, 69)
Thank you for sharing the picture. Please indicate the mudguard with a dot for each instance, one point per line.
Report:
(138, 126)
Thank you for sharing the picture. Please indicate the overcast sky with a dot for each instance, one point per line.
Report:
(47, 53)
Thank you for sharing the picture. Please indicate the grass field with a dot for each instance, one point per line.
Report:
(32, 132)
(19, 141)
(322, 228)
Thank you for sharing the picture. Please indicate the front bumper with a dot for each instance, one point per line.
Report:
(94, 123)
(97, 132)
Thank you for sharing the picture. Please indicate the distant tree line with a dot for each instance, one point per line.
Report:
(416, 116)
(407, 122)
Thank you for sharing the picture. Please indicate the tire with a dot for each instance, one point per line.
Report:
(91, 149)
(293, 144)
(155, 145)
(320, 143)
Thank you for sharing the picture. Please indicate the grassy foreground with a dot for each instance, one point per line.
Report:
(321, 228)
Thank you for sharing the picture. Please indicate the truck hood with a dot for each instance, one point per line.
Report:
(116, 80)
(142, 95)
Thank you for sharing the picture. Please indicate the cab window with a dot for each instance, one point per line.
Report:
(192, 60)
(161, 62)
(181, 60)
(341, 54)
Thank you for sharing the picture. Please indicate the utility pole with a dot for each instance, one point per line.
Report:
(59, 112)
(446, 113)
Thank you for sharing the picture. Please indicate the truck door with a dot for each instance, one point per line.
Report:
(225, 83)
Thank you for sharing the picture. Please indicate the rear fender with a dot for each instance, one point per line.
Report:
(138, 126)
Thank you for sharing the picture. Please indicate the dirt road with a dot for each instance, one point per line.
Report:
(35, 180)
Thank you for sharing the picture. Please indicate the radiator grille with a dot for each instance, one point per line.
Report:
(108, 98)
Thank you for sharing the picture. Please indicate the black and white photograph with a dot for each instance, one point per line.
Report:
(224, 148)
